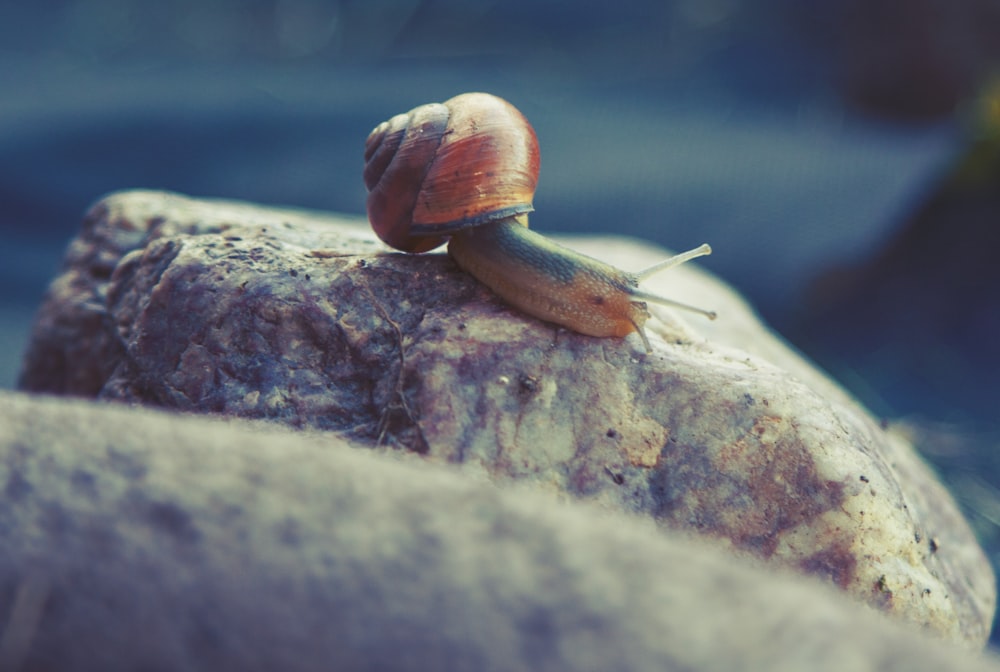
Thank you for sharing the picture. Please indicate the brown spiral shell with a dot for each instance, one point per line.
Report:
(446, 166)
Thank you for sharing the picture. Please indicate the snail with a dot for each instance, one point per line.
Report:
(464, 171)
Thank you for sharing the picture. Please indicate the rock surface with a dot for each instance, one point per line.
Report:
(300, 318)
(133, 539)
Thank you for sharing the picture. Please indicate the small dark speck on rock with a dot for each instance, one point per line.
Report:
(84, 483)
(289, 533)
(126, 465)
(175, 521)
(616, 477)
(293, 273)
(18, 487)
(863, 478)
(612, 433)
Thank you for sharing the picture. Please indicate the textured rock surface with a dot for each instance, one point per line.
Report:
(228, 308)
(131, 540)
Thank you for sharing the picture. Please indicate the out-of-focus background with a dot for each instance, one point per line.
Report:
(841, 157)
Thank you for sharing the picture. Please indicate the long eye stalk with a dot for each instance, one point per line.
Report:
(700, 251)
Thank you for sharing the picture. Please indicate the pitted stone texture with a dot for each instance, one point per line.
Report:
(722, 430)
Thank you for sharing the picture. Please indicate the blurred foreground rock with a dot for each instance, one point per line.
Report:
(133, 539)
(302, 319)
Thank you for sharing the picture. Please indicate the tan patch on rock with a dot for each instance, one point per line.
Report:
(225, 308)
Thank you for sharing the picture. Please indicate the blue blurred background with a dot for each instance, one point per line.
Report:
(824, 149)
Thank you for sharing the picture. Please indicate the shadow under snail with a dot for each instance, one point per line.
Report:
(465, 171)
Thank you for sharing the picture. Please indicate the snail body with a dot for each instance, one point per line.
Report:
(465, 171)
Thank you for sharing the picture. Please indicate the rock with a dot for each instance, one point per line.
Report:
(301, 318)
(135, 539)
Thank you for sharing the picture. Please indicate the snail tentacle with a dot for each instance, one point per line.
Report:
(465, 171)
(701, 251)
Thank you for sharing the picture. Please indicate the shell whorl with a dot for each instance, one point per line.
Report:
(443, 167)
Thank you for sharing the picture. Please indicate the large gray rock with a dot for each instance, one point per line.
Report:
(301, 318)
(131, 539)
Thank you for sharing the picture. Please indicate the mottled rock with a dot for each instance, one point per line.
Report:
(134, 539)
(722, 430)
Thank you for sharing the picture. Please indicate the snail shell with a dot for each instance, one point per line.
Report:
(465, 170)
(443, 167)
